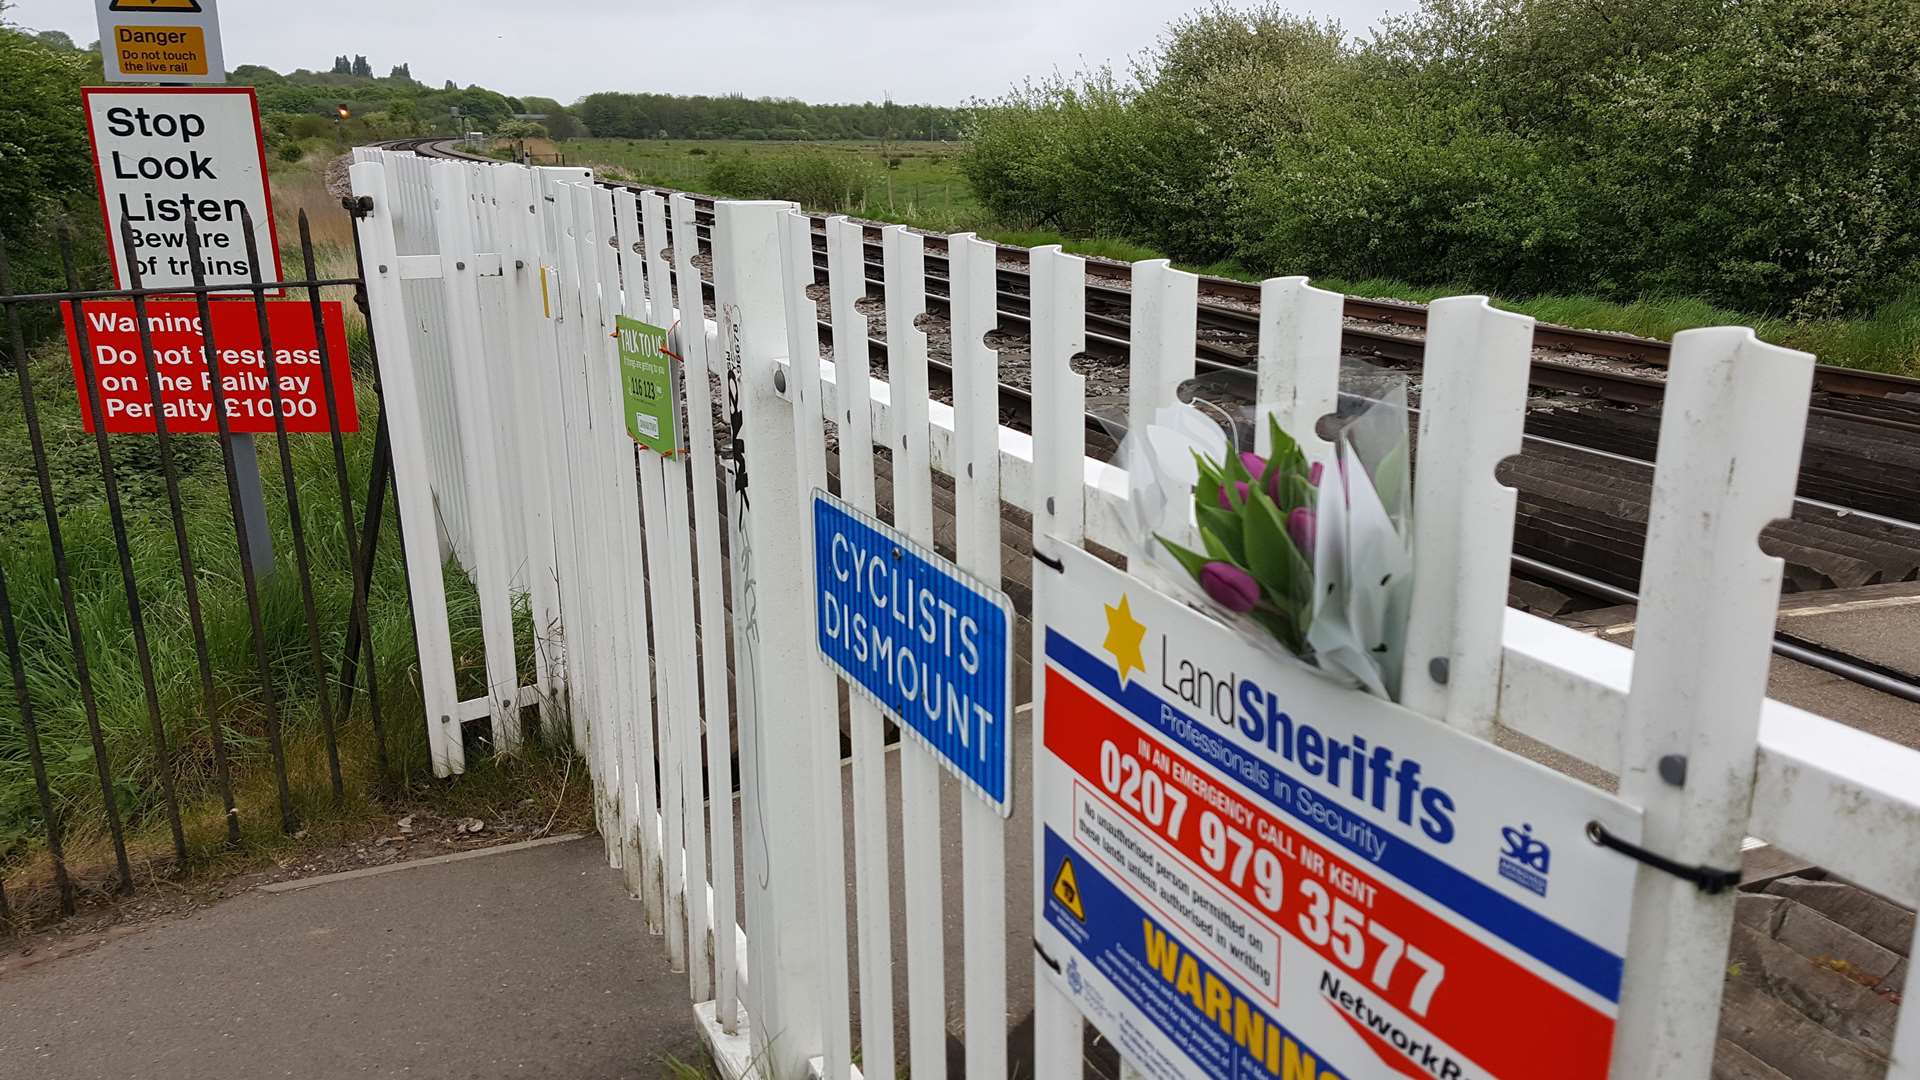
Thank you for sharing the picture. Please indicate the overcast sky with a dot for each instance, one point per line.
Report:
(922, 51)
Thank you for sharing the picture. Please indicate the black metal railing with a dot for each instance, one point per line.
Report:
(209, 700)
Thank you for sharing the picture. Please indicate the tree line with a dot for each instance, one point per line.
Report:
(674, 116)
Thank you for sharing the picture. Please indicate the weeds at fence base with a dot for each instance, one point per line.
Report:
(538, 792)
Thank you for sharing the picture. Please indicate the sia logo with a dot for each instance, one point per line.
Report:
(1526, 859)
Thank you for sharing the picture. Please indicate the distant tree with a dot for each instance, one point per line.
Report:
(404, 115)
(560, 121)
(520, 129)
(484, 109)
(362, 68)
(401, 73)
(449, 86)
(55, 39)
(616, 115)
(255, 75)
(342, 66)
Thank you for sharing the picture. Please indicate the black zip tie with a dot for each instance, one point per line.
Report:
(1048, 960)
(1049, 561)
(358, 205)
(1705, 878)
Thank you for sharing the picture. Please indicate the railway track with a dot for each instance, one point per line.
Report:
(1586, 472)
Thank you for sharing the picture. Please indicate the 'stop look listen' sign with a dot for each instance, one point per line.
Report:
(170, 158)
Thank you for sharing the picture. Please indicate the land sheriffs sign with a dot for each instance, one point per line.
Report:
(1250, 871)
(921, 637)
(162, 41)
(167, 157)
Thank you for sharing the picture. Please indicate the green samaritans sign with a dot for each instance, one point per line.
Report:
(650, 384)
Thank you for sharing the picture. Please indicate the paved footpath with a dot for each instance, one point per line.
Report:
(529, 963)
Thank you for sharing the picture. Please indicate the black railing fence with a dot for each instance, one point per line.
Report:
(147, 687)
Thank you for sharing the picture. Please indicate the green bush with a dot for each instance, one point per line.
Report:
(814, 180)
(1762, 155)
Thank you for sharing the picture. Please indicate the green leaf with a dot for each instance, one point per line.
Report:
(1295, 492)
(1286, 455)
(1271, 554)
(1224, 526)
(1215, 547)
(1233, 470)
(1192, 560)
(1206, 489)
(1265, 532)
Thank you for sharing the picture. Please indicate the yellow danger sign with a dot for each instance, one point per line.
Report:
(1067, 890)
(168, 41)
(160, 51)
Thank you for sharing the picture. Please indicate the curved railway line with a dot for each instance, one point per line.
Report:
(1585, 474)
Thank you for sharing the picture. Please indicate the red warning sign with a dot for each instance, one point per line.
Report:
(111, 353)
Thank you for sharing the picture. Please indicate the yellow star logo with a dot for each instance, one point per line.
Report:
(1124, 634)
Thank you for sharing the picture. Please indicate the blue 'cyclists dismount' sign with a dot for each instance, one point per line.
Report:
(928, 642)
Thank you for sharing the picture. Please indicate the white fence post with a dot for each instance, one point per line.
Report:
(1472, 405)
(531, 369)
(784, 887)
(816, 687)
(566, 411)
(676, 640)
(971, 270)
(637, 702)
(696, 370)
(847, 282)
(413, 486)
(904, 255)
(1059, 312)
(1731, 430)
(1297, 380)
(473, 406)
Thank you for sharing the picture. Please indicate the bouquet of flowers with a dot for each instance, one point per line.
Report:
(1311, 556)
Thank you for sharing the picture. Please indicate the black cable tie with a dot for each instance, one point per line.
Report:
(1049, 561)
(358, 205)
(1044, 958)
(1705, 878)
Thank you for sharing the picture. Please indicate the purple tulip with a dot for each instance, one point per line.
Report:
(1229, 586)
(1255, 465)
(1302, 528)
(1227, 501)
(1313, 474)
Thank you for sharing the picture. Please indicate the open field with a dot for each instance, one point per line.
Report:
(922, 187)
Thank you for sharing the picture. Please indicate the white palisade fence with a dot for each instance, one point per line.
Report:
(673, 634)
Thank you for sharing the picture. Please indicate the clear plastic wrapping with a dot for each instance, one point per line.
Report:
(1309, 555)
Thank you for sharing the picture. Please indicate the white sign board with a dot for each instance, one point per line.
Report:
(160, 41)
(166, 157)
(1251, 871)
